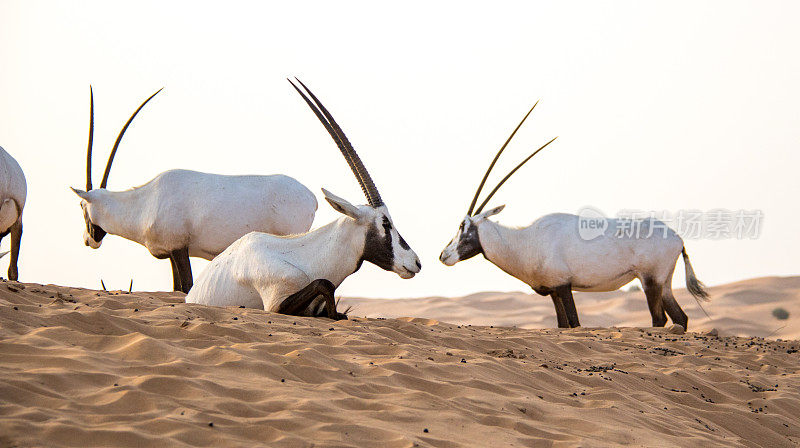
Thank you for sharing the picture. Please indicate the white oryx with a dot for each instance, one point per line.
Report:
(298, 274)
(13, 190)
(181, 214)
(552, 258)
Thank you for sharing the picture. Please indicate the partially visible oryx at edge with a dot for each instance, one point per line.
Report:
(181, 214)
(298, 274)
(13, 190)
(550, 256)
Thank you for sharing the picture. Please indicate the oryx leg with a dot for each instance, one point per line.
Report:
(176, 277)
(16, 239)
(181, 264)
(298, 302)
(654, 291)
(671, 305)
(561, 314)
(565, 293)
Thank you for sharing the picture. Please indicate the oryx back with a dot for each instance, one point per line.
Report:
(210, 211)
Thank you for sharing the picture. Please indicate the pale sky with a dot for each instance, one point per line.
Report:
(688, 105)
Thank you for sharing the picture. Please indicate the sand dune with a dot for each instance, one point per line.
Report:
(91, 368)
(741, 309)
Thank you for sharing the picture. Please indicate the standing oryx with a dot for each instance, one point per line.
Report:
(298, 274)
(13, 190)
(181, 214)
(554, 259)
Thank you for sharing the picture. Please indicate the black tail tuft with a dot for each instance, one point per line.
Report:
(695, 287)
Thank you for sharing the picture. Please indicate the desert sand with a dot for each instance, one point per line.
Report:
(740, 309)
(93, 368)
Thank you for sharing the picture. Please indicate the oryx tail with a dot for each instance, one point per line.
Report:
(696, 287)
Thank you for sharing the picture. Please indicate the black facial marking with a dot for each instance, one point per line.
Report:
(469, 244)
(403, 243)
(95, 231)
(378, 250)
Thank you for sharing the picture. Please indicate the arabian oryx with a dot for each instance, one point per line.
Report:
(13, 190)
(181, 214)
(552, 258)
(298, 274)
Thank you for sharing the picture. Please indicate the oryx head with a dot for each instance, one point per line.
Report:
(383, 245)
(466, 244)
(93, 234)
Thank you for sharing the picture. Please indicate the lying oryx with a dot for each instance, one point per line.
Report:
(298, 274)
(552, 258)
(13, 190)
(181, 214)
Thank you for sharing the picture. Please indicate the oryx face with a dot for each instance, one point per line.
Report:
(383, 245)
(92, 234)
(385, 248)
(464, 245)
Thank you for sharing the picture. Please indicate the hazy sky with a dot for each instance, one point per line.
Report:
(689, 105)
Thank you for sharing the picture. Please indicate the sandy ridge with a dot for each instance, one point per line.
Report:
(89, 368)
(742, 308)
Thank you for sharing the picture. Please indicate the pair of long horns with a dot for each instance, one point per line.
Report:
(485, 176)
(350, 155)
(104, 182)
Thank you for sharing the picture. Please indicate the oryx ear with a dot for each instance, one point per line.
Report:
(85, 195)
(3, 254)
(341, 205)
(489, 213)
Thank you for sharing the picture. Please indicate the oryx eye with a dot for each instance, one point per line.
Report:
(387, 225)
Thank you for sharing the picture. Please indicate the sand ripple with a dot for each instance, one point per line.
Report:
(85, 368)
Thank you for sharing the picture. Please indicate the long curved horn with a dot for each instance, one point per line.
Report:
(486, 176)
(91, 139)
(349, 153)
(483, 204)
(104, 182)
(363, 174)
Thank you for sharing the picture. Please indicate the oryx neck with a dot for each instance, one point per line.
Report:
(501, 246)
(335, 250)
(117, 213)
